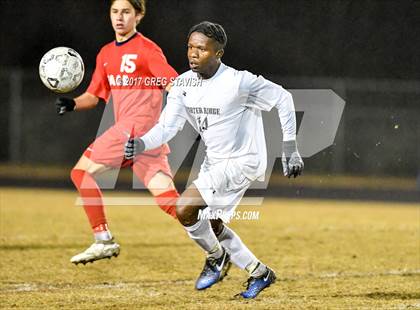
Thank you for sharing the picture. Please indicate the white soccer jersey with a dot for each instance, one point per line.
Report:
(226, 111)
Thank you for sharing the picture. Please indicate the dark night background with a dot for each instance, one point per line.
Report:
(361, 39)
(366, 51)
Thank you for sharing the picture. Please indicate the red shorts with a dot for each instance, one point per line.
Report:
(108, 149)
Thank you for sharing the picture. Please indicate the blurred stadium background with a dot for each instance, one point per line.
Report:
(365, 51)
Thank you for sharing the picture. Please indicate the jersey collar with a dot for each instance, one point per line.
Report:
(129, 39)
(219, 70)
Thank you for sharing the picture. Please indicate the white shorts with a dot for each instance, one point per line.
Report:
(222, 185)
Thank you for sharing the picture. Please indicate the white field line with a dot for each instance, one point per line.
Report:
(33, 287)
(150, 201)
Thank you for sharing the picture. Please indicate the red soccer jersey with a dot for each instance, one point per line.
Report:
(134, 72)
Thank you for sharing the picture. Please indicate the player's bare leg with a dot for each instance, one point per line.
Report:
(217, 261)
(83, 178)
(90, 166)
(162, 187)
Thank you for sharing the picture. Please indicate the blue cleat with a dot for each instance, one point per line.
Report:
(214, 270)
(256, 285)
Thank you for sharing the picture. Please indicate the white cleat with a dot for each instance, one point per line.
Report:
(98, 250)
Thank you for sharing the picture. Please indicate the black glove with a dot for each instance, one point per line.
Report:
(64, 105)
(291, 160)
(133, 147)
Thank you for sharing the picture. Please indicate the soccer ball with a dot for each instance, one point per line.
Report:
(61, 69)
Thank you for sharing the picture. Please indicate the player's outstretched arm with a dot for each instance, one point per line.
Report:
(171, 121)
(83, 102)
(263, 94)
(160, 134)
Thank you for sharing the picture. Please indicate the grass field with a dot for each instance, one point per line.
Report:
(327, 255)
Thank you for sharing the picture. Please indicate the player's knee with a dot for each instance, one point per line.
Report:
(181, 213)
(76, 175)
(185, 213)
(217, 226)
(89, 166)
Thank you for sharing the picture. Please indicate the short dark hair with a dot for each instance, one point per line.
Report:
(211, 30)
(138, 5)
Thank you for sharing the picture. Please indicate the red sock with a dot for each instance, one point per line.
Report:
(92, 199)
(167, 202)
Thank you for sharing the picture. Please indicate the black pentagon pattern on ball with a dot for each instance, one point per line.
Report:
(53, 82)
(72, 52)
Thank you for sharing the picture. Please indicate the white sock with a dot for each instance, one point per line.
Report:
(103, 235)
(240, 255)
(202, 233)
(256, 269)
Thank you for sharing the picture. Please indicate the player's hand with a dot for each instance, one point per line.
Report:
(64, 105)
(291, 160)
(133, 147)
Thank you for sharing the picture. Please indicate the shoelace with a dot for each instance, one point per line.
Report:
(245, 284)
(248, 282)
(210, 262)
